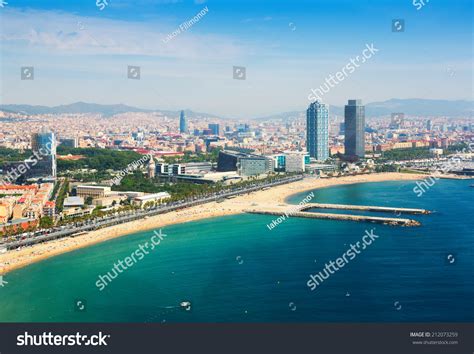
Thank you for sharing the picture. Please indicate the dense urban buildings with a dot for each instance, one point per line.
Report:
(314, 141)
(317, 130)
(24, 205)
(354, 122)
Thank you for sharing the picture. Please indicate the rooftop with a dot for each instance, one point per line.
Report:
(73, 201)
(93, 187)
(153, 196)
(14, 186)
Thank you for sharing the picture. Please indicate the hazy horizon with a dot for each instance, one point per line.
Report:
(81, 53)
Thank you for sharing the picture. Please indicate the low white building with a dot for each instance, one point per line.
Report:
(75, 212)
(92, 191)
(108, 201)
(155, 198)
(73, 202)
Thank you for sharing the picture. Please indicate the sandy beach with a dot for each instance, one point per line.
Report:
(19, 258)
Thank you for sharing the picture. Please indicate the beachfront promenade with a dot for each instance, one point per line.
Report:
(125, 217)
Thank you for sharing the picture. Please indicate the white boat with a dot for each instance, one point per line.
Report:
(186, 305)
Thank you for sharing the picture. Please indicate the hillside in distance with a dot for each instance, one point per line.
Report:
(412, 107)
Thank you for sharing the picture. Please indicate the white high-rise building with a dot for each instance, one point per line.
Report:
(294, 161)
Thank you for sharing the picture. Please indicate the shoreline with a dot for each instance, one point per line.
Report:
(16, 259)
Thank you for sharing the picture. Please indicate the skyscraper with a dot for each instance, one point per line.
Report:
(214, 128)
(317, 131)
(429, 125)
(354, 122)
(43, 145)
(183, 124)
(397, 120)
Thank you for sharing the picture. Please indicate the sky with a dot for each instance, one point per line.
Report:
(80, 51)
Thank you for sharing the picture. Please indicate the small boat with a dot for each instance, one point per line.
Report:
(186, 305)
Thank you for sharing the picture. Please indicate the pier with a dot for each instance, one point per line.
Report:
(288, 210)
(365, 208)
(329, 216)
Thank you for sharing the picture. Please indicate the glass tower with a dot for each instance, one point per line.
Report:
(317, 131)
(183, 124)
(43, 145)
(214, 128)
(354, 123)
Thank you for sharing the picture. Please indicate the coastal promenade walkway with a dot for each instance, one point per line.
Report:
(103, 222)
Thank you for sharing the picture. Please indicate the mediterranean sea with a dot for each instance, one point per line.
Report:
(234, 269)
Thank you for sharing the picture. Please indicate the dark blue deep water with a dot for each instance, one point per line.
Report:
(234, 269)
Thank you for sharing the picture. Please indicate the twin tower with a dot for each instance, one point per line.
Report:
(317, 130)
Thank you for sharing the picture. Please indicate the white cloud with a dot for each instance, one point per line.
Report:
(64, 33)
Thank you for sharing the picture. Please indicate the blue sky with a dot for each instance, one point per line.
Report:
(81, 53)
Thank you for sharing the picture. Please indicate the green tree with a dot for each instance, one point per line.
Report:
(46, 222)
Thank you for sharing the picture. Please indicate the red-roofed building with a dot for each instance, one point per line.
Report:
(49, 209)
(143, 151)
(15, 189)
(168, 153)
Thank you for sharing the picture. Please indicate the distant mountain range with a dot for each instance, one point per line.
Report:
(412, 107)
(83, 107)
(78, 107)
(420, 107)
(416, 106)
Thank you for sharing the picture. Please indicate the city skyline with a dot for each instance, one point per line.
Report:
(72, 49)
(414, 107)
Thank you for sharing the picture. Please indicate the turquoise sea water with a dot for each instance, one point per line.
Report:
(234, 269)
